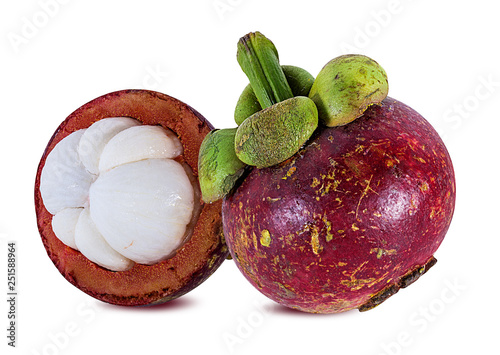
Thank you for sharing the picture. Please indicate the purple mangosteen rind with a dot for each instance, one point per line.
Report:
(350, 219)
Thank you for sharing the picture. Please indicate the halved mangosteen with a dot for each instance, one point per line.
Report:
(118, 202)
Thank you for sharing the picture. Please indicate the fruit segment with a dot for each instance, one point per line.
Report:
(92, 244)
(152, 203)
(96, 137)
(136, 209)
(64, 181)
(138, 143)
(64, 224)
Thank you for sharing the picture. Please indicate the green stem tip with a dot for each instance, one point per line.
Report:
(258, 58)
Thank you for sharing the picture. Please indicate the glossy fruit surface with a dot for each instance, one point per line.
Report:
(198, 258)
(352, 217)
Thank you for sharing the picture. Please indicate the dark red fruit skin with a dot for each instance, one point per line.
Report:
(194, 262)
(352, 217)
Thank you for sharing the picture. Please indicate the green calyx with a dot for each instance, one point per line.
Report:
(346, 86)
(218, 165)
(274, 134)
(280, 109)
(273, 124)
(299, 80)
(246, 106)
(279, 123)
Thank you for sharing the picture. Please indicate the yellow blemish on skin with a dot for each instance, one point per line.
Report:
(327, 223)
(381, 252)
(285, 290)
(243, 238)
(389, 163)
(212, 260)
(363, 194)
(378, 280)
(331, 175)
(288, 239)
(289, 172)
(315, 182)
(420, 159)
(305, 228)
(316, 246)
(341, 263)
(358, 268)
(356, 284)
(254, 237)
(424, 187)
(270, 199)
(413, 206)
(329, 185)
(354, 227)
(265, 238)
(359, 148)
(329, 235)
(353, 282)
(377, 214)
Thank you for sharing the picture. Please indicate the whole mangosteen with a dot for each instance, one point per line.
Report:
(351, 215)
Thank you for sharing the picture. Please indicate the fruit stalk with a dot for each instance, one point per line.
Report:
(258, 58)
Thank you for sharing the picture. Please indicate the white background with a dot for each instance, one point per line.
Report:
(442, 58)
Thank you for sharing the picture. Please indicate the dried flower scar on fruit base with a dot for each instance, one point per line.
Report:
(118, 201)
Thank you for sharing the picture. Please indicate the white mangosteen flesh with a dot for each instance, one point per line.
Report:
(118, 196)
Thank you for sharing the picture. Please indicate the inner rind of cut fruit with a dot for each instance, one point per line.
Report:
(120, 193)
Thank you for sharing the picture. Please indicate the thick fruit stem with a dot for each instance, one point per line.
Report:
(258, 58)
